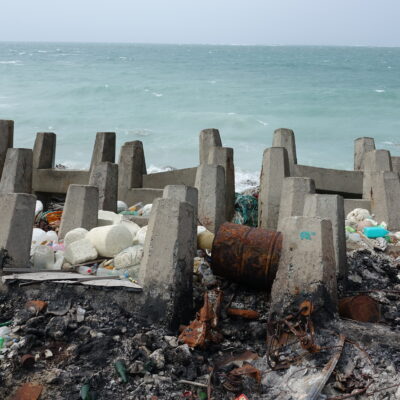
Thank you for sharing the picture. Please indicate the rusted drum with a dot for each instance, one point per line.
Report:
(246, 255)
(360, 308)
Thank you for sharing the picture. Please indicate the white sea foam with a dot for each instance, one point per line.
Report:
(42, 51)
(231, 113)
(9, 62)
(262, 122)
(379, 90)
(157, 94)
(243, 179)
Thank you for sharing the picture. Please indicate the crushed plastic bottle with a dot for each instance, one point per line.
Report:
(85, 270)
(373, 232)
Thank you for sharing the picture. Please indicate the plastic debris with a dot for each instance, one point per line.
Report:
(36, 306)
(121, 370)
(85, 392)
(375, 232)
(246, 210)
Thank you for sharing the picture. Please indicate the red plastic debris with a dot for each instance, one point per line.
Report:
(242, 397)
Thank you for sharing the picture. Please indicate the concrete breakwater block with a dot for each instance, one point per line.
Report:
(208, 138)
(17, 172)
(105, 177)
(293, 196)
(44, 150)
(183, 193)
(104, 148)
(331, 207)
(210, 182)
(6, 140)
(80, 210)
(224, 156)
(275, 167)
(378, 160)
(384, 194)
(16, 223)
(110, 240)
(80, 251)
(307, 266)
(361, 147)
(285, 138)
(166, 270)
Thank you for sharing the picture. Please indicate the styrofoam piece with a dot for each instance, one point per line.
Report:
(110, 240)
(141, 235)
(75, 235)
(80, 251)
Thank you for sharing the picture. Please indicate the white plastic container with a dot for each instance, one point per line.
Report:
(43, 257)
(85, 270)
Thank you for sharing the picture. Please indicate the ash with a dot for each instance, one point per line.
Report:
(77, 343)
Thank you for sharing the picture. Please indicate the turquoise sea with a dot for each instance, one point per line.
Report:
(165, 94)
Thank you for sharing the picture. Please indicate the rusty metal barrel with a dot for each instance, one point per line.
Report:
(246, 255)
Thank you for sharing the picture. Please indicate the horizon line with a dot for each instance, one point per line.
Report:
(200, 44)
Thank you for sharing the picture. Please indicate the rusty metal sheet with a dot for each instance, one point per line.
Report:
(28, 391)
(246, 255)
(360, 308)
(247, 314)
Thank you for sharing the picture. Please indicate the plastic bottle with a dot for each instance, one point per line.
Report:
(373, 232)
(84, 270)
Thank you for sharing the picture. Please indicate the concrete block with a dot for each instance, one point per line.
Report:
(145, 195)
(208, 139)
(110, 240)
(16, 224)
(275, 167)
(166, 271)
(80, 209)
(210, 182)
(396, 164)
(158, 180)
(104, 148)
(378, 160)
(80, 251)
(17, 172)
(6, 140)
(224, 156)
(285, 138)
(362, 146)
(44, 150)
(293, 195)
(331, 207)
(132, 167)
(307, 266)
(58, 180)
(183, 193)
(105, 177)
(75, 235)
(384, 196)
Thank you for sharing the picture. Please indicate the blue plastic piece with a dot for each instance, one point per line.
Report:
(374, 232)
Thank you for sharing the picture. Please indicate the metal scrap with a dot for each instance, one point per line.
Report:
(203, 328)
(360, 308)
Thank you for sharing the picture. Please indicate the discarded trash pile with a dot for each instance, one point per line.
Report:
(76, 345)
(113, 249)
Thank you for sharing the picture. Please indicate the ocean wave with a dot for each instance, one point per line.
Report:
(157, 94)
(243, 179)
(10, 62)
(379, 90)
(262, 122)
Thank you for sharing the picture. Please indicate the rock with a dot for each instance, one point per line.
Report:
(157, 357)
(110, 240)
(80, 251)
(75, 235)
(57, 327)
(129, 257)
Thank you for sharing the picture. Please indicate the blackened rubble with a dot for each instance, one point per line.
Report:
(156, 362)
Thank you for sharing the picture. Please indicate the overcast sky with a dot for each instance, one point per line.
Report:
(324, 22)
